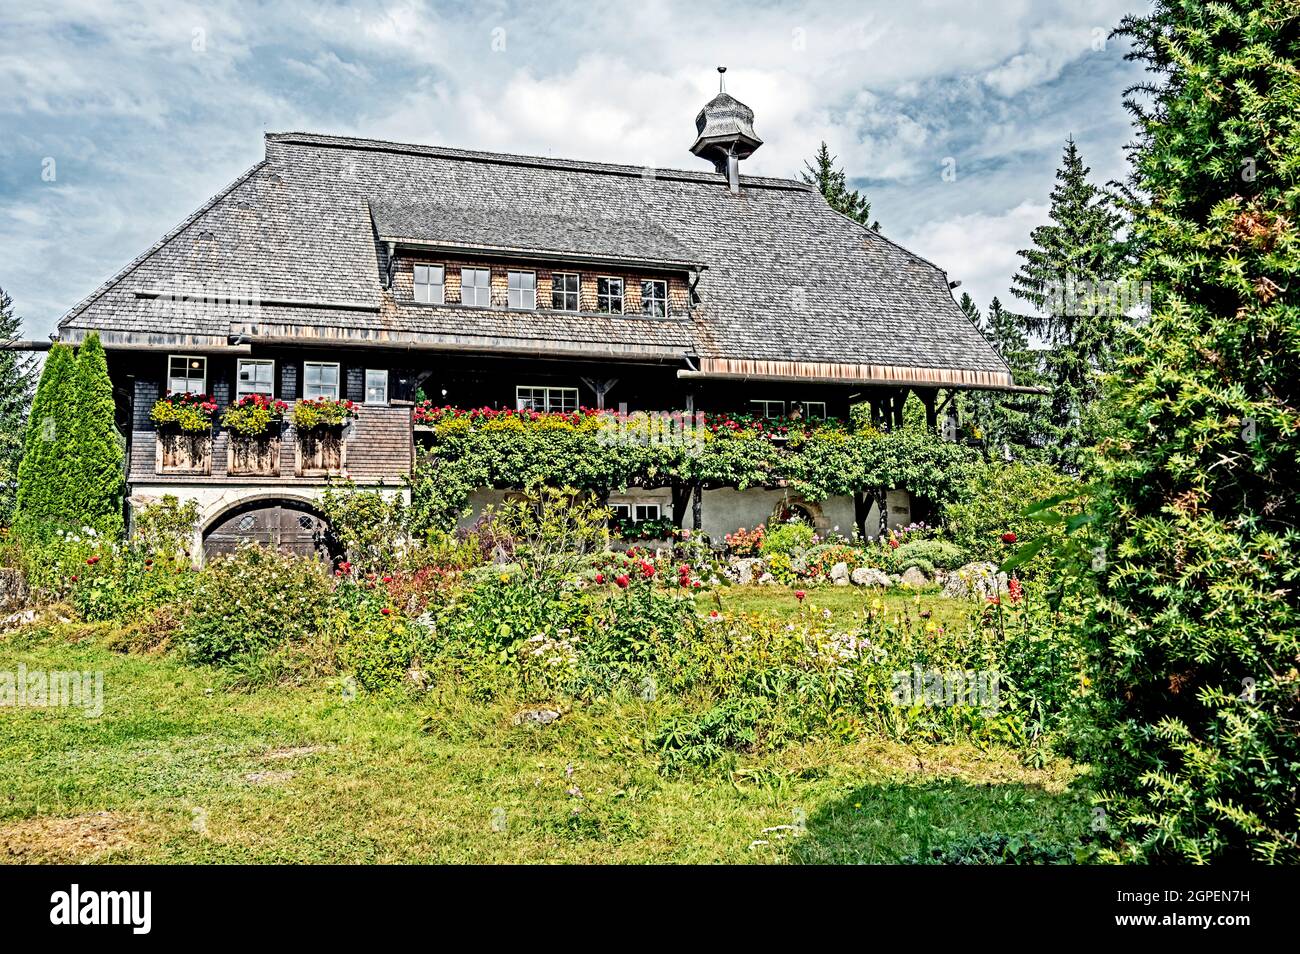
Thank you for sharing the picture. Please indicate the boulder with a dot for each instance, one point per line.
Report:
(747, 570)
(767, 579)
(869, 576)
(975, 581)
(915, 577)
(537, 716)
(840, 574)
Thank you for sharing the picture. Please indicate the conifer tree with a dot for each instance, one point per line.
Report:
(16, 378)
(97, 457)
(1069, 278)
(1196, 629)
(833, 184)
(44, 497)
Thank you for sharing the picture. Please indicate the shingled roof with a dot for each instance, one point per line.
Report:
(787, 287)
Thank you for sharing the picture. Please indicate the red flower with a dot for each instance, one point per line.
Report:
(1014, 590)
(385, 611)
(893, 543)
(713, 614)
(622, 581)
(696, 585)
(92, 560)
(799, 595)
(648, 570)
(600, 577)
(1009, 537)
(73, 578)
(388, 579)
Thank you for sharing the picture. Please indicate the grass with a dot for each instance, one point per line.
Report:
(179, 768)
(840, 600)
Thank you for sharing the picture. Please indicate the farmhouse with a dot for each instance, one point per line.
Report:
(381, 273)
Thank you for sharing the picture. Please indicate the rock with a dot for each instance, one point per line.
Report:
(747, 569)
(767, 579)
(842, 581)
(869, 576)
(975, 581)
(537, 716)
(840, 573)
(21, 618)
(915, 577)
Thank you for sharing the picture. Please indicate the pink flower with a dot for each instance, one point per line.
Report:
(799, 595)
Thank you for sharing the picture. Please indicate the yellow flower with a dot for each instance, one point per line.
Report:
(875, 604)
(930, 627)
(505, 577)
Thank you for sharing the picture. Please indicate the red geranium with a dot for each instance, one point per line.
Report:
(1009, 537)
(622, 580)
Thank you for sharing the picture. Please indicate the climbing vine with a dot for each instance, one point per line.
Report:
(605, 452)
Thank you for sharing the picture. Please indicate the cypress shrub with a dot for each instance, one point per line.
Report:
(97, 454)
(44, 498)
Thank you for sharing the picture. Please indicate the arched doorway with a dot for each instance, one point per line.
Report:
(289, 525)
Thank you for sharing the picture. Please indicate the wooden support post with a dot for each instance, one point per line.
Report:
(882, 503)
(697, 508)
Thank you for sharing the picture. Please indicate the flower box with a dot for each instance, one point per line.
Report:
(321, 451)
(191, 413)
(257, 456)
(183, 451)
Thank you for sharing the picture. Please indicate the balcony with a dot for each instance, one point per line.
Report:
(376, 445)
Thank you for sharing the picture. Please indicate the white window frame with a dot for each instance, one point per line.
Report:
(643, 511)
(621, 511)
(810, 414)
(428, 295)
(548, 404)
(610, 296)
(338, 379)
(576, 293)
(369, 372)
(486, 289)
(515, 294)
(240, 390)
(767, 407)
(187, 358)
(646, 302)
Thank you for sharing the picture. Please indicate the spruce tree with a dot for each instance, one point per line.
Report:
(833, 184)
(1012, 423)
(44, 499)
(16, 377)
(99, 481)
(1196, 629)
(1068, 278)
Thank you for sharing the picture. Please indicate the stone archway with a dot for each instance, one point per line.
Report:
(285, 523)
(798, 508)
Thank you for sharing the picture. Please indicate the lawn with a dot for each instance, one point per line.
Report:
(181, 769)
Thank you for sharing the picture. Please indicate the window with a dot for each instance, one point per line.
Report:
(647, 512)
(320, 379)
(621, 511)
(376, 385)
(767, 408)
(475, 287)
(256, 376)
(609, 295)
(814, 410)
(187, 374)
(521, 290)
(654, 299)
(429, 284)
(564, 291)
(546, 399)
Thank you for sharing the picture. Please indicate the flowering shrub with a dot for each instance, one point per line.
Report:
(322, 412)
(254, 415)
(745, 543)
(252, 600)
(788, 539)
(186, 412)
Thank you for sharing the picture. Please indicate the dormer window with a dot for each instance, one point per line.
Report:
(429, 284)
(654, 298)
(564, 291)
(609, 296)
(521, 290)
(476, 287)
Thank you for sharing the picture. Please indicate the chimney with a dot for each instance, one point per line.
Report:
(725, 133)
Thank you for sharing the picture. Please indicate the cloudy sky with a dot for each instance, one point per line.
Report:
(119, 119)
